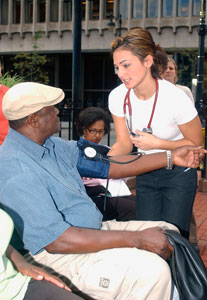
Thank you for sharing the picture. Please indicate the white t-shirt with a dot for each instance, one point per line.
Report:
(187, 91)
(173, 108)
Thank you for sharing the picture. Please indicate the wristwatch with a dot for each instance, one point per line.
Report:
(169, 160)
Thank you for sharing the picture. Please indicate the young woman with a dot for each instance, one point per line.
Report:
(153, 115)
(171, 75)
(93, 123)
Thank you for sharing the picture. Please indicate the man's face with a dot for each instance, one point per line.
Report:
(49, 122)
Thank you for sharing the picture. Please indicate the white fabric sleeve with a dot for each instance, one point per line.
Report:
(184, 110)
(116, 100)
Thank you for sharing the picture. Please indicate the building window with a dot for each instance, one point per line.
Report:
(67, 11)
(93, 9)
(137, 9)
(28, 11)
(16, 12)
(54, 11)
(83, 9)
(108, 9)
(183, 8)
(167, 8)
(196, 7)
(152, 8)
(97, 89)
(123, 9)
(4, 12)
(41, 11)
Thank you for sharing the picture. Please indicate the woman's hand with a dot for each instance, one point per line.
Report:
(145, 141)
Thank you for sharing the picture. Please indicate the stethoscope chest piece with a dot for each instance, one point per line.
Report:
(148, 130)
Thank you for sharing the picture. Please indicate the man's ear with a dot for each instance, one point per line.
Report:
(148, 61)
(33, 120)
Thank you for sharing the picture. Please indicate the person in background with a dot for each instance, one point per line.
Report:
(171, 75)
(4, 124)
(20, 280)
(93, 123)
(155, 116)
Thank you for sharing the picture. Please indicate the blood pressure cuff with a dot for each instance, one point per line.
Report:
(92, 160)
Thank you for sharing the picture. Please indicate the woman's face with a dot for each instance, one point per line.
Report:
(170, 74)
(130, 69)
(95, 132)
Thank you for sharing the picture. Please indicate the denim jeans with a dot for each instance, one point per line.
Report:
(167, 195)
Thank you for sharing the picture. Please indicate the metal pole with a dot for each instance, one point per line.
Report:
(76, 62)
(200, 72)
(120, 23)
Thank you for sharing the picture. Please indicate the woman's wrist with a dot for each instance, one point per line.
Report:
(169, 160)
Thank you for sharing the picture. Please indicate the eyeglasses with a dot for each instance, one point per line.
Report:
(94, 131)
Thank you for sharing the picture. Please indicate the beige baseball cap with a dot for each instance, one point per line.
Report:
(26, 98)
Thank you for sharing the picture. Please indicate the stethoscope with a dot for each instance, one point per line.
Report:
(127, 102)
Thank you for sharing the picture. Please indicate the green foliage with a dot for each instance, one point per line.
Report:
(32, 65)
(9, 80)
(38, 35)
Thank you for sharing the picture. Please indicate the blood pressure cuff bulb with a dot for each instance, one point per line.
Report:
(92, 160)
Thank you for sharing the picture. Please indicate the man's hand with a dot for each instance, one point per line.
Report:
(188, 156)
(154, 240)
(28, 269)
(40, 274)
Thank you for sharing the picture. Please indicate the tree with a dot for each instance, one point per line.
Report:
(32, 66)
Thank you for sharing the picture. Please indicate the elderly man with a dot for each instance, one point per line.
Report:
(42, 190)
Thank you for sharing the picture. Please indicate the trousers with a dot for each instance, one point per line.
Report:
(167, 195)
(121, 208)
(119, 273)
(45, 290)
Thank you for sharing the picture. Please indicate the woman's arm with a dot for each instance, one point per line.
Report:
(192, 132)
(123, 143)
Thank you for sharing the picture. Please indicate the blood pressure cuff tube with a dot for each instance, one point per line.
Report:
(91, 160)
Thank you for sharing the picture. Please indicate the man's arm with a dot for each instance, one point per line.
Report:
(185, 156)
(81, 240)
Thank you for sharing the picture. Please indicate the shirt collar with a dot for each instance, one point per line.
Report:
(34, 149)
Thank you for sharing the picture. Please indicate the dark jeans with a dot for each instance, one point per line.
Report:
(167, 195)
(119, 208)
(45, 290)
